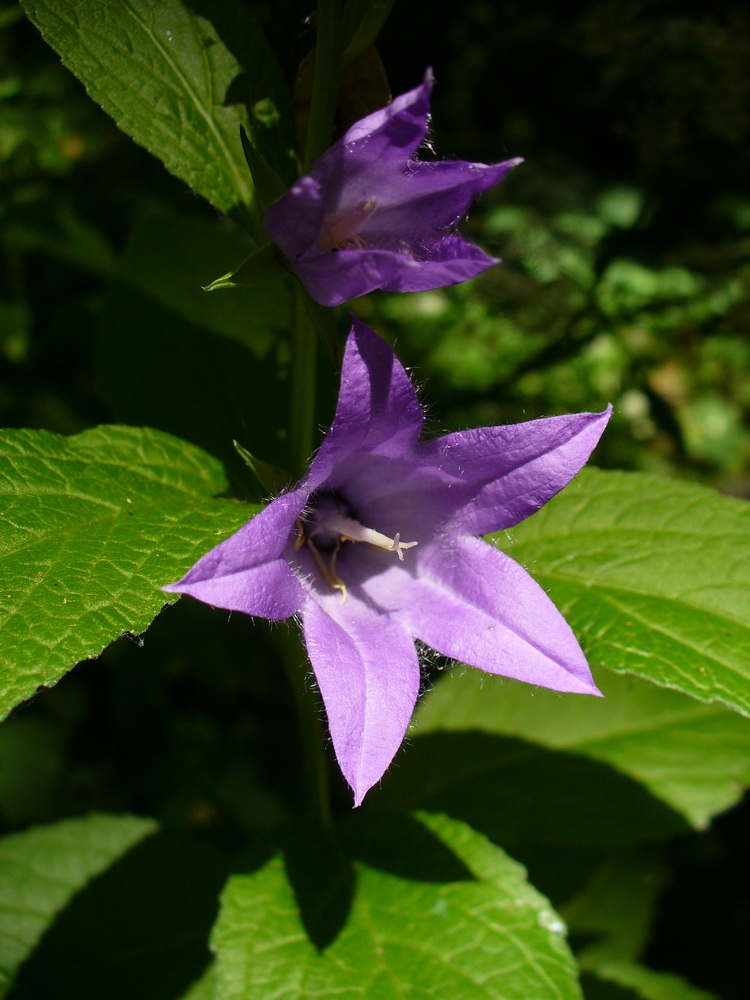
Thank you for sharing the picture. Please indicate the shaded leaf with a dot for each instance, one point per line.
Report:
(169, 354)
(614, 910)
(639, 983)
(140, 929)
(42, 868)
(693, 756)
(522, 795)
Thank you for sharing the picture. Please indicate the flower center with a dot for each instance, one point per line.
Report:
(327, 526)
(339, 231)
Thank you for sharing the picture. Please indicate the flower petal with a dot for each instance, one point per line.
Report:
(475, 604)
(368, 674)
(512, 471)
(337, 276)
(248, 572)
(293, 221)
(448, 262)
(378, 411)
(400, 125)
(427, 198)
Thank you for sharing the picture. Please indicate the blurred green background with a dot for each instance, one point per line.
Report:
(626, 245)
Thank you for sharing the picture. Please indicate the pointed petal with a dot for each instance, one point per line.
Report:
(473, 603)
(248, 571)
(448, 262)
(508, 473)
(427, 198)
(335, 278)
(368, 674)
(400, 125)
(377, 413)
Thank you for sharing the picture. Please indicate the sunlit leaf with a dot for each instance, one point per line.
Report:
(654, 577)
(92, 526)
(434, 910)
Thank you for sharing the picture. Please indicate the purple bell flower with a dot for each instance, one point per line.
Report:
(380, 544)
(370, 215)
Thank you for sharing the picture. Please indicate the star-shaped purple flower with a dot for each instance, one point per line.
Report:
(380, 544)
(370, 215)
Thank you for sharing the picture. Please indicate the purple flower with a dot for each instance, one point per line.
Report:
(380, 544)
(370, 215)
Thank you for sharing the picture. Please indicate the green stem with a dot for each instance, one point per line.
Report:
(304, 358)
(311, 731)
(326, 79)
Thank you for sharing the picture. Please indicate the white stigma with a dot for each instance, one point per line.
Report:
(350, 530)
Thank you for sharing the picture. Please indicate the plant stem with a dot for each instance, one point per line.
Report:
(326, 78)
(302, 413)
(311, 731)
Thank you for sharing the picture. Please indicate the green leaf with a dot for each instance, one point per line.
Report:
(524, 796)
(169, 353)
(435, 911)
(204, 988)
(654, 577)
(614, 910)
(172, 82)
(42, 869)
(92, 527)
(140, 928)
(692, 756)
(637, 981)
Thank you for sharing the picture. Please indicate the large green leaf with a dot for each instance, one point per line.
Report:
(694, 757)
(92, 526)
(176, 82)
(42, 869)
(653, 575)
(435, 911)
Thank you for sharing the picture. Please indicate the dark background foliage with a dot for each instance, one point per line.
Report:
(626, 239)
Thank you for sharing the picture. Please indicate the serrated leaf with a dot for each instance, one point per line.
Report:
(92, 526)
(654, 577)
(694, 757)
(42, 869)
(167, 77)
(437, 911)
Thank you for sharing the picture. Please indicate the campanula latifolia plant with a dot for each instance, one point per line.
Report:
(222, 627)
